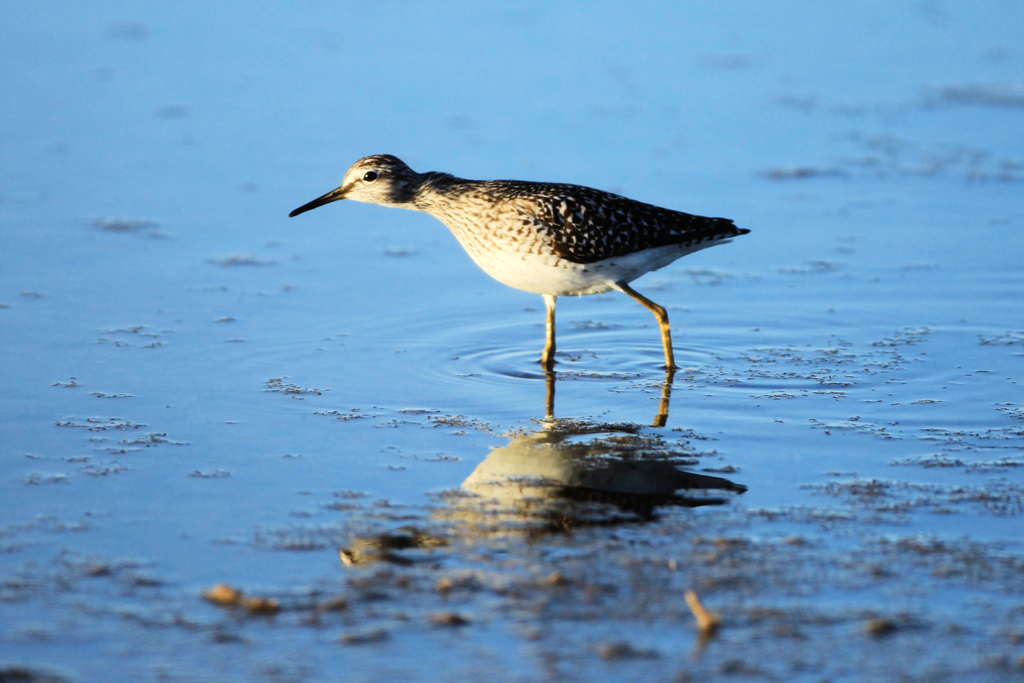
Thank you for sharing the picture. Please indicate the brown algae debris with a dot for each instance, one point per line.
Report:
(623, 650)
(556, 579)
(227, 596)
(448, 619)
(223, 594)
(707, 622)
(880, 627)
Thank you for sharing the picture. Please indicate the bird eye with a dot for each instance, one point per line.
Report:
(370, 176)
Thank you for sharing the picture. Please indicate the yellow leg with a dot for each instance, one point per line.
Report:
(661, 315)
(547, 359)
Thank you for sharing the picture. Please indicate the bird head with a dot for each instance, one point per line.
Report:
(380, 179)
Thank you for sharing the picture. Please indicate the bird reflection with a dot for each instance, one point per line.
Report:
(571, 473)
(567, 474)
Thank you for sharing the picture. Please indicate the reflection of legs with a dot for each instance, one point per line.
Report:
(661, 315)
(666, 396)
(547, 359)
(549, 405)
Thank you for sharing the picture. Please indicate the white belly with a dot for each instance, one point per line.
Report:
(551, 274)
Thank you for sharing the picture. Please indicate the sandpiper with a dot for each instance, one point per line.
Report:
(552, 239)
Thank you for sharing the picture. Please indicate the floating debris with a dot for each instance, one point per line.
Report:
(623, 650)
(984, 94)
(227, 596)
(278, 385)
(448, 619)
(708, 623)
(364, 637)
(241, 260)
(880, 627)
(126, 225)
(802, 173)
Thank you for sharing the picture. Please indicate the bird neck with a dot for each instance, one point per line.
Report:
(433, 192)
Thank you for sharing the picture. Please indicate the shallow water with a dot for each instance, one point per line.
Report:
(199, 390)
